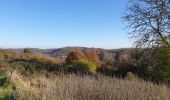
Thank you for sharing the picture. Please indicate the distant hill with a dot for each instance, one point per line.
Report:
(104, 54)
(22, 49)
(109, 55)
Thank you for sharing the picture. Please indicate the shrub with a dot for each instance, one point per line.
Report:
(74, 56)
(161, 68)
(6, 92)
(106, 70)
(83, 66)
(78, 63)
(131, 76)
(42, 58)
(92, 55)
(3, 79)
(124, 69)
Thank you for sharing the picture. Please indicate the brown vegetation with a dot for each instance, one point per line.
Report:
(73, 87)
(93, 56)
(75, 55)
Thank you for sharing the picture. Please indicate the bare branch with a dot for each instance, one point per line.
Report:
(149, 22)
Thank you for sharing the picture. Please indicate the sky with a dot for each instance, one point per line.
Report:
(61, 23)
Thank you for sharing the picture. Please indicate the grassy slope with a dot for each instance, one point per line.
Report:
(73, 87)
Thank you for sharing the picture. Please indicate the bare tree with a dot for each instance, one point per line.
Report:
(149, 22)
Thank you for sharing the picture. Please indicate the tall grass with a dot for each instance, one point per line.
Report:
(73, 87)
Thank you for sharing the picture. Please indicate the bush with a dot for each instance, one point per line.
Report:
(106, 70)
(75, 56)
(83, 66)
(124, 69)
(30, 67)
(161, 69)
(92, 55)
(44, 59)
(6, 92)
(131, 76)
(3, 79)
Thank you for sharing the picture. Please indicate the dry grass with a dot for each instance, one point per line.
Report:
(72, 87)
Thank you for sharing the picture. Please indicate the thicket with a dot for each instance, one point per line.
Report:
(78, 63)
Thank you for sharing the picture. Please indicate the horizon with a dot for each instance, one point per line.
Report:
(68, 47)
(55, 24)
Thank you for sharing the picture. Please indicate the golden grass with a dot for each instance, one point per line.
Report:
(73, 87)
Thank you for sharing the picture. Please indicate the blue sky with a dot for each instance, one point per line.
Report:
(60, 23)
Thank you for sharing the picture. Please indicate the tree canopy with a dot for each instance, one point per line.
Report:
(149, 22)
